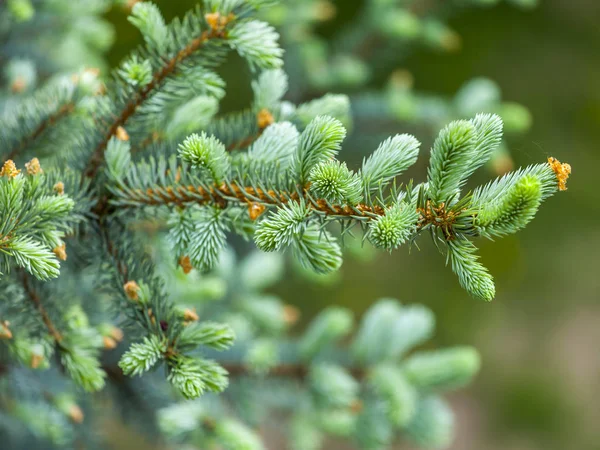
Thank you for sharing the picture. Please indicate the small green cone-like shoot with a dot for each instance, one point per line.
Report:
(512, 211)
(399, 396)
(304, 434)
(211, 334)
(83, 368)
(207, 153)
(142, 356)
(450, 157)
(34, 257)
(318, 250)
(392, 157)
(394, 228)
(388, 329)
(488, 136)
(118, 158)
(334, 105)
(332, 385)
(148, 19)
(281, 228)
(192, 377)
(373, 428)
(432, 426)
(472, 275)
(276, 145)
(136, 72)
(328, 327)
(208, 238)
(337, 421)
(442, 370)
(234, 435)
(334, 182)
(319, 142)
(266, 311)
(262, 356)
(256, 41)
(269, 89)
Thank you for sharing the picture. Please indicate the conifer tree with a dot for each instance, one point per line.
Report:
(119, 198)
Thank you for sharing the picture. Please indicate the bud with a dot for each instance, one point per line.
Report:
(255, 210)
(186, 264)
(59, 188)
(213, 20)
(291, 314)
(61, 252)
(116, 334)
(5, 332)
(216, 21)
(36, 360)
(121, 134)
(18, 85)
(132, 290)
(151, 316)
(9, 169)
(33, 167)
(264, 118)
(562, 171)
(190, 315)
(356, 406)
(75, 413)
(108, 342)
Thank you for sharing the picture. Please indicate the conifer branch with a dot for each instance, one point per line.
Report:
(35, 299)
(130, 108)
(51, 120)
(292, 370)
(221, 194)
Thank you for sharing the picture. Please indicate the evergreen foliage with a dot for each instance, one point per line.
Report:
(118, 198)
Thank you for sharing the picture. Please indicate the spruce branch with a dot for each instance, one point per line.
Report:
(37, 302)
(170, 67)
(49, 121)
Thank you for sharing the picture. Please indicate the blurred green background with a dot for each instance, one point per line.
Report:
(540, 383)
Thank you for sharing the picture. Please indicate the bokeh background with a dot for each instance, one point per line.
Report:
(539, 387)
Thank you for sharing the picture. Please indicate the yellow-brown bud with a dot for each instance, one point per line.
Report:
(33, 167)
(9, 169)
(108, 342)
(291, 314)
(75, 413)
(36, 360)
(255, 210)
(562, 171)
(185, 264)
(59, 188)
(121, 134)
(132, 290)
(190, 315)
(61, 252)
(18, 85)
(5, 332)
(116, 334)
(264, 118)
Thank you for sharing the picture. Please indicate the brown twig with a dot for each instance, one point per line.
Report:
(296, 370)
(35, 298)
(61, 112)
(168, 69)
(180, 195)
